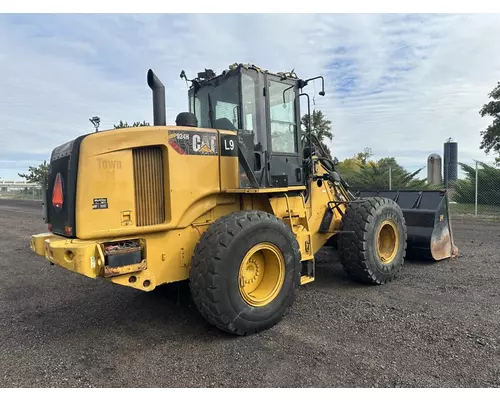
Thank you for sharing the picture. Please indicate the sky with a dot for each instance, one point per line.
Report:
(398, 84)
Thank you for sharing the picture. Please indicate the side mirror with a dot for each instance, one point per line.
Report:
(304, 83)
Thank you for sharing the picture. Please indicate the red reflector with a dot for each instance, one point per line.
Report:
(57, 193)
(50, 227)
(68, 230)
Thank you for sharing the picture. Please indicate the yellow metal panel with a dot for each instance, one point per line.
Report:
(288, 206)
(194, 184)
(229, 170)
(143, 280)
(104, 176)
(106, 171)
(169, 253)
(305, 244)
(292, 210)
(304, 280)
(81, 257)
(317, 204)
(168, 256)
(37, 242)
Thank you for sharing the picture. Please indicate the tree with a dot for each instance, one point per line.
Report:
(375, 175)
(320, 127)
(37, 174)
(122, 124)
(362, 173)
(352, 166)
(491, 136)
(364, 155)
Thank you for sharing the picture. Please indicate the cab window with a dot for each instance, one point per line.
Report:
(283, 121)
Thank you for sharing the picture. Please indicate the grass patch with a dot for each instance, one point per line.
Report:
(468, 210)
(20, 196)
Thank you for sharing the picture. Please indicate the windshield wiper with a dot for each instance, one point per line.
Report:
(210, 111)
(288, 88)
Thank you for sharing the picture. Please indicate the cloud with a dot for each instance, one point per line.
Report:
(400, 84)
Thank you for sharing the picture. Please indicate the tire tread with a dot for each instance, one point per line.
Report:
(354, 248)
(210, 252)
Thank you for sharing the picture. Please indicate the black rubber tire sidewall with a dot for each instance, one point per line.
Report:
(240, 246)
(216, 264)
(357, 244)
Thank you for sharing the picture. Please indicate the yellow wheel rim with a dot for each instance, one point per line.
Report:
(261, 275)
(387, 242)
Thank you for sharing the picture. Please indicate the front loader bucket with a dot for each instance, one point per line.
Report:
(427, 220)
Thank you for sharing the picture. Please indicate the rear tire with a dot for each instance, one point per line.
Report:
(245, 272)
(372, 244)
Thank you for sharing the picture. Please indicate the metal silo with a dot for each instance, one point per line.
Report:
(434, 169)
(450, 166)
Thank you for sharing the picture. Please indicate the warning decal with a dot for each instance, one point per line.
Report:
(194, 142)
(100, 203)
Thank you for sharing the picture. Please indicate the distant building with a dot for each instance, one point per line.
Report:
(434, 169)
(450, 166)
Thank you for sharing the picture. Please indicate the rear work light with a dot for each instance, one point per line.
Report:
(57, 193)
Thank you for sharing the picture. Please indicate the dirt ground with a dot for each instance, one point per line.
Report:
(438, 325)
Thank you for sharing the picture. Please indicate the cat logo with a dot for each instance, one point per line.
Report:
(204, 144)
(205, 149)
(194, 143)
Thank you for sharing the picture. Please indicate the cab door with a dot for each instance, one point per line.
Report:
(283, 127)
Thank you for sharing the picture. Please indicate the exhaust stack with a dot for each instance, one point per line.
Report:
(159, 110)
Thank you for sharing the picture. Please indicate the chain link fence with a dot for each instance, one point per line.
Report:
(476, 192)
(27, 193)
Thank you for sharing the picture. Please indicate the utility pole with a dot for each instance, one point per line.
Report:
(390, 177)
(475, 203)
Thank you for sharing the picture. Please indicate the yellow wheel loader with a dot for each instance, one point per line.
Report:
(232, 198)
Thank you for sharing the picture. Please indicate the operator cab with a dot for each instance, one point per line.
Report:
(254, 102)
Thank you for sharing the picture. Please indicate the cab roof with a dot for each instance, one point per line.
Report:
(208, 75)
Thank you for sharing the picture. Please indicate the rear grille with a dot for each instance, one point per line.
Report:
(149, 186)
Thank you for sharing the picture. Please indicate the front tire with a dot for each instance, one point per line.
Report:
(245, 272)
(372, 242)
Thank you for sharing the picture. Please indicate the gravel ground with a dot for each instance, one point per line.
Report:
(436, 326)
